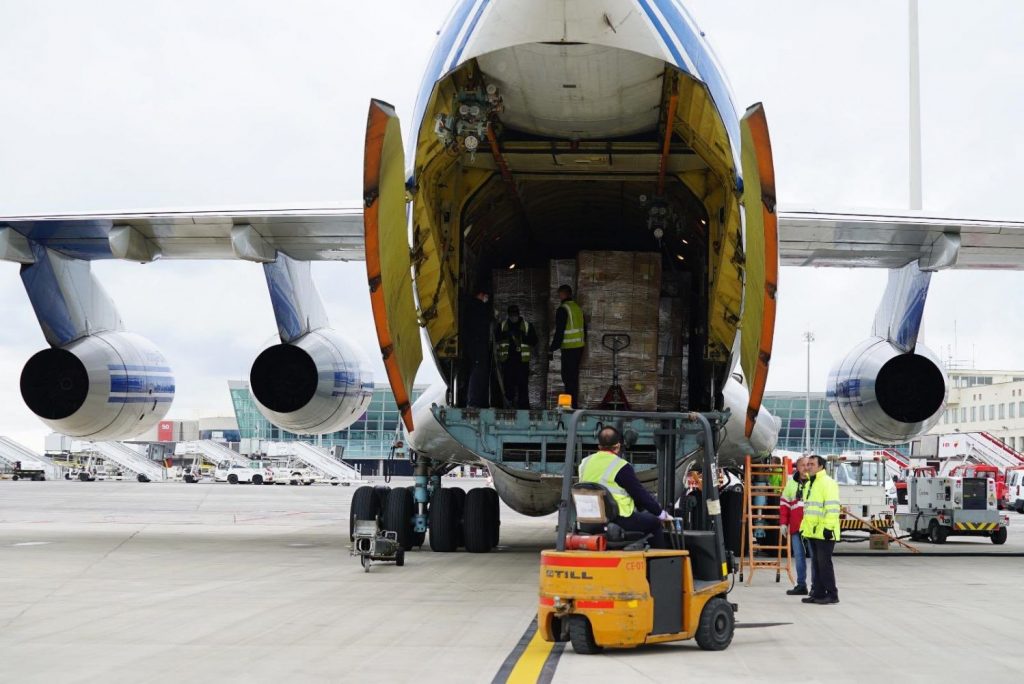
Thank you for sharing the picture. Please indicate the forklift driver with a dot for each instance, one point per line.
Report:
(606, 468)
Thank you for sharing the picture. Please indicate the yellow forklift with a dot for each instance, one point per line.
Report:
(603, 588)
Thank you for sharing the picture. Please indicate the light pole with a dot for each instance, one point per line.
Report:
(808, 338)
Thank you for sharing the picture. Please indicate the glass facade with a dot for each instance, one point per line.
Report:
(370, 437)
(826, 435)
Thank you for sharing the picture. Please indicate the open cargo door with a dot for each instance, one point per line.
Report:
(388, 264)
(762, 251)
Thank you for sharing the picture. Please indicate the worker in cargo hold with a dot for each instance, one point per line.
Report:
(791, 514)
(820, 527)
(570, 337)
(478, 322)
(516, 339)
(638, 510)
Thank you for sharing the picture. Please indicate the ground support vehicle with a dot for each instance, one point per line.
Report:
(940, 507)
(371, 544)
(20, 473)
(236, 474)
(984, 470)
(622, 594)
(1014, 489)
(862, 493)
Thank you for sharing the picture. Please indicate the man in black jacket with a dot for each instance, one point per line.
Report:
(476, 330)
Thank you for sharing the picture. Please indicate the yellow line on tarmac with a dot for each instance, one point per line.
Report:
(530, 664)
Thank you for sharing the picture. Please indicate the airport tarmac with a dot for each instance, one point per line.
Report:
(168, 582)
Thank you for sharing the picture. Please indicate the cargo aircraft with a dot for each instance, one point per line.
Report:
(542, 128)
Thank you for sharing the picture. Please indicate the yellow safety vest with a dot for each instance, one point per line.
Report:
(602, 468)
(524, 349)
(573, 337)
(821, 508)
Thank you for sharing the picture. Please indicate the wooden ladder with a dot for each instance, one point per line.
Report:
(763, 480)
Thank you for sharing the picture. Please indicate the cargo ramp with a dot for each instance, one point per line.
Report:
(11, 452)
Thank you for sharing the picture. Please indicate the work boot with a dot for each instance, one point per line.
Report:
(827, 600)
(811, 599)
(798, 590)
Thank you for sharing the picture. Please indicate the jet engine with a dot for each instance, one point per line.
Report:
(317, 383)
(111, 385)
(886, 396)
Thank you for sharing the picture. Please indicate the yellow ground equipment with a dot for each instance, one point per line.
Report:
(628, 595)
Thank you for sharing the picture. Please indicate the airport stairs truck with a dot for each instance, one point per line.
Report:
(215, 453)
(319, 459)
(19, 457)
(145, 469)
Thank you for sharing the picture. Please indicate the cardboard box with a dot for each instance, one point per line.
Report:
(878, 542)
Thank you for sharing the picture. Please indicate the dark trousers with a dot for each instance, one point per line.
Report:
(516, 376)
(642, 521)
(571, 359)
(823, 574)
(480, 383)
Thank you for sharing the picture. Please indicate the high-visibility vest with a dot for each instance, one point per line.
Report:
(821, 508)
(602, 468)
(573, 337)
(523, 333)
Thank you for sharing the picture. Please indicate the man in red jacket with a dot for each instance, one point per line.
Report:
(791, 514)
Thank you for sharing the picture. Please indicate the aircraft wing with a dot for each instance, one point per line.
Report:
(812, 238)
(306, 234)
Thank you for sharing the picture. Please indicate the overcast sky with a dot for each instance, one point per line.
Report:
(185, 103)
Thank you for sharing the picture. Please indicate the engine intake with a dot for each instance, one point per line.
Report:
(317, 384)
(882, 395)
(102, 387)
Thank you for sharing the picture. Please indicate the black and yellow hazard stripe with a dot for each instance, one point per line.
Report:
(531, 660)
(854, 524)
(976, 527)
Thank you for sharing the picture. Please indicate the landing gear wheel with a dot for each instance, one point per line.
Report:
(582, 636)
(232, 479)
(937, 533)
(364, 507)
(444, 521)
(476, 522)
(257, 479)
(495, 506)
(999, 536)
(717, 624)
(397, 516)
(400, 558)
(417, 537)
(460, 498)
(381, 492)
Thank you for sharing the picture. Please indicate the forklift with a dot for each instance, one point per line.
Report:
(603, 587)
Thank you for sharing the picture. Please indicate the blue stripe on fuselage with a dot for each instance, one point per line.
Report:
(138, 400)
(469, 32)
(141, 383)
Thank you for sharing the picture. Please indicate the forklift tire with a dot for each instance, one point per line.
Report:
(400, 558)
(444, 521)
(937, 533)
(232, 479)
(495, 510)
(717, 624)
(476, 522)
(364, 507)
(397, 516)
(999, 536)
(582, 636)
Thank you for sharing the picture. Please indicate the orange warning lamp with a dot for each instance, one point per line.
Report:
(565, 401)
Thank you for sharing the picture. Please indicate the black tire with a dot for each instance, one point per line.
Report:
(1020, 506)
(188, 479)
(444, 521)
(400, 558)
(937, 533)
(142, 478)
(257, 479)
(381, 492)
(67, 476)
(476, 522)
(365, 506)
(460, 498)
(495, 504)
(83, 477)
(582, 636)
(716, 626)
(999, 536)
(39, 478)
(232, 479)
(397, 516)
(15, 478)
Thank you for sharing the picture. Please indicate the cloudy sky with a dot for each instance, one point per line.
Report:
(186, 103)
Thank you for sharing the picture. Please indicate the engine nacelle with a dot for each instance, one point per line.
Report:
(108, 386)
(884, 396)
(316, 384)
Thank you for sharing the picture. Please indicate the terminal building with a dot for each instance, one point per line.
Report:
(985, 401)
(365, 444)
(827, 437)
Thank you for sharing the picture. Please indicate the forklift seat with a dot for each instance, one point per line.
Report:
(598, 520)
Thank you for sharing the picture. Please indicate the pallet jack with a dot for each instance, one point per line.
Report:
(602, 588)
(615, 397)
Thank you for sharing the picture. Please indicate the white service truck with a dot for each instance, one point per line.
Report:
(940, 507)
(255, 474)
